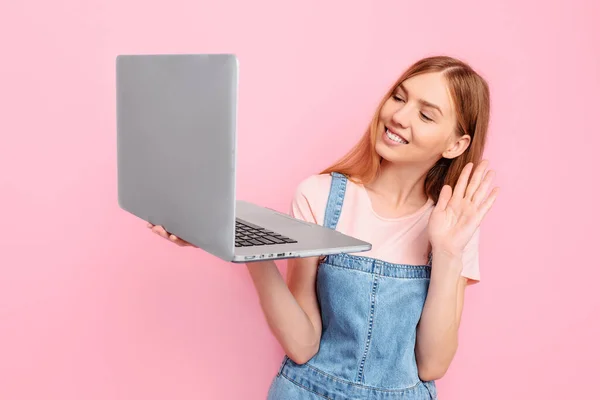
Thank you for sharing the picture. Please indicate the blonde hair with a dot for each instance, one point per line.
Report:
(471, 99)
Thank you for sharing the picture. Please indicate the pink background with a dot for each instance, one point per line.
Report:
(92, 306)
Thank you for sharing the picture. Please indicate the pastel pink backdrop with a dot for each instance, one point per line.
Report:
(92, 306)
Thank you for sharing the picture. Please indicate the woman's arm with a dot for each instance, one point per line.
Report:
(453, 222)
(437, 333)
(291, 309)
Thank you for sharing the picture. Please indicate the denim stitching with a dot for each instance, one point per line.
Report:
(361, 369)
(357, 258)
(335, 200)
(361, 386)
(282, 366)
(432, 395)
(340, 199)
(304, 387)
(329, 208)
(407, 277)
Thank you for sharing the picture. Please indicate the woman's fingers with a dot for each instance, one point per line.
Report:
(458, 192)
(177, 241)
(487, 204)
(475, 181)
(483, 189)
(444, 198)
(159, 230)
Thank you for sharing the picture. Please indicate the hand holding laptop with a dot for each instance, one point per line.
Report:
(160, 231)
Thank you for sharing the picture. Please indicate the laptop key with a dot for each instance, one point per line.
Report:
(248, 234)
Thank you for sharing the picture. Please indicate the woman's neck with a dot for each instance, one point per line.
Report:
(399, 189)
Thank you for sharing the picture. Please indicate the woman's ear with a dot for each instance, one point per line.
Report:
(457, 147)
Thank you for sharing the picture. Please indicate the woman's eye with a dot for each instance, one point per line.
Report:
(426, 118)
(398, 98)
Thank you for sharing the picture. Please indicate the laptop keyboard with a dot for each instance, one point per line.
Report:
(247, 234)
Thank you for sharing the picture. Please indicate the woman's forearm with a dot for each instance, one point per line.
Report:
(286, 319)
(437, 334)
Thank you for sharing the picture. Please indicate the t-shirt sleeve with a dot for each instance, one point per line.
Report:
(471, 259)
(310, 198)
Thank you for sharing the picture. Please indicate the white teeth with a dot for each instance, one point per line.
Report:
(394, 137)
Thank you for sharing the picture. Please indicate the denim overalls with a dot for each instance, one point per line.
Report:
(370, 310)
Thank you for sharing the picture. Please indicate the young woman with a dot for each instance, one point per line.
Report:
(384, 324)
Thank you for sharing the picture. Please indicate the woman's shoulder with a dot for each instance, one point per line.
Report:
(310, 198)
(317, 184)
(313, 190)
(315, 181)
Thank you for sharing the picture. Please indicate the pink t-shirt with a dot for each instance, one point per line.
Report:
(401, 240)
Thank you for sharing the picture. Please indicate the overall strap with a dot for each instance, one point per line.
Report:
(335, 200)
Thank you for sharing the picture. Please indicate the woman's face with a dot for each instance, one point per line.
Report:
(417, 123)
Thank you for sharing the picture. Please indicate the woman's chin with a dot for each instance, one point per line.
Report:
(387, 153)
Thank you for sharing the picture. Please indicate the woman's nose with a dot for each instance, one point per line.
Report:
(401, 117)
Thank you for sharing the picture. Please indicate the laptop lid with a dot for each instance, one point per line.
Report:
(176, 144)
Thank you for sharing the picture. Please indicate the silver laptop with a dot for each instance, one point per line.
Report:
(176, 159)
